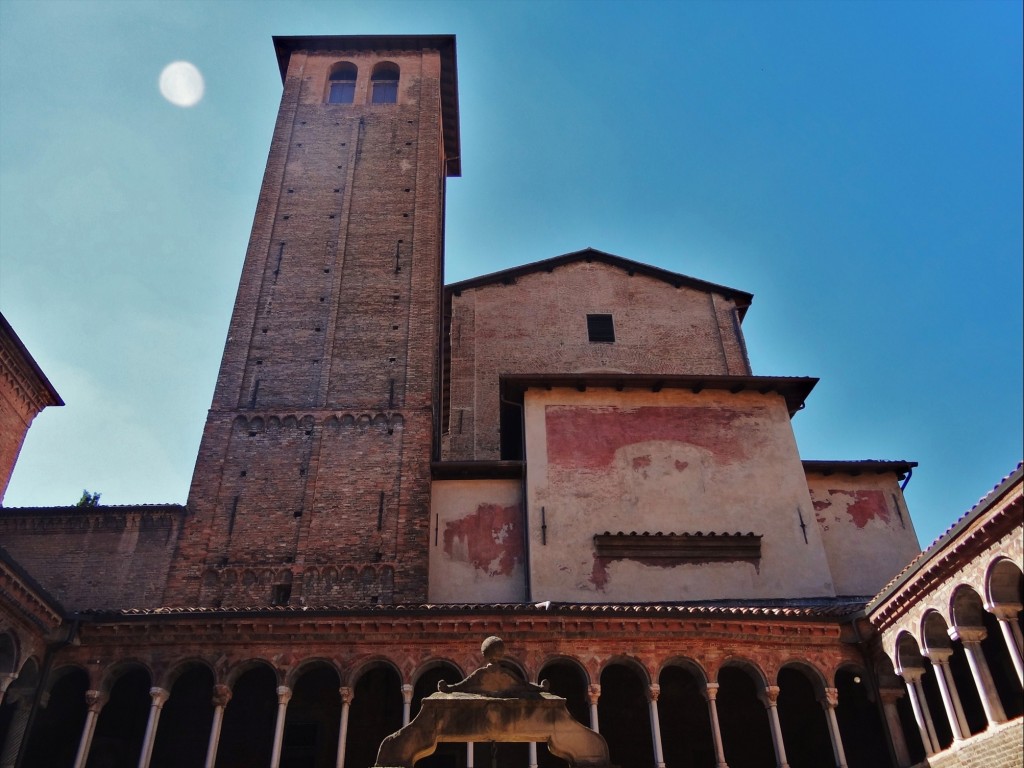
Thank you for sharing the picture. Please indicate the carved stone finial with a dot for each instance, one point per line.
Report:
(493, 649)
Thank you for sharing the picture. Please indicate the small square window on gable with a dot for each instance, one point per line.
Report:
(600, 328)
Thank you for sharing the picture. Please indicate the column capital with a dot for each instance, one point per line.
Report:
(593, 692)
(221, 695)
(407, 693)
(912, 674)
(891, 695)
(159, 696)
(968, 635)
(938, 655)
(1004, 611)
(5, 681)
(830, 698)
(711, 691)
(653, 692)
(284, 694)
(347, 694)
(94, 700)
(770, 696)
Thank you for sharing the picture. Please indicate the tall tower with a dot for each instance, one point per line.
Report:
(312, 482)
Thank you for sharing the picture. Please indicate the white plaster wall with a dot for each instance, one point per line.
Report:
(476, 542)
(866, 528)
(671, 461)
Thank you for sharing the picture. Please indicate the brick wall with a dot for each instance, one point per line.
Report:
(1002, 746)
(538, 324)
(313, 472)
(101, 557)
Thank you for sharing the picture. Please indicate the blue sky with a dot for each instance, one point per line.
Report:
(857, 166)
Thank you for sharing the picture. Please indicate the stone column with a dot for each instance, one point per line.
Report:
(919, 704)
(469, 755)
(284, 695)
(347, 695)
(159, 697)
(889, 697)
(593, 694)
(221, 697)
(94, 701)
(406, 703)
(1007, 616)
(21, 700)
(653, 692)
(770, 699)
(971, 637)
(711, 694)
(829, 703)
(532, 755)
(950, 697)
(5, 683)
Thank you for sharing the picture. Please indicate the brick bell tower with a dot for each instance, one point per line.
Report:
(312, 484)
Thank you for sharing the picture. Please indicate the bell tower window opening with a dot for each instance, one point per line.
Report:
(384, 82)
(600, 328)
(342, 84)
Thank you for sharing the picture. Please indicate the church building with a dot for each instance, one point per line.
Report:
(573, 454)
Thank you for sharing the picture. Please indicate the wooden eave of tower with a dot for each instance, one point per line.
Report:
(286, 45)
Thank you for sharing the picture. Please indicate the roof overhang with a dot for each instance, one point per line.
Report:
(898, 467)
(794, 389)
(285, 46)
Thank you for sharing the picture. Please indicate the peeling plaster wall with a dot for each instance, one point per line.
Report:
(671, 461)
(476, 542)
(866, 529)
(539, 325)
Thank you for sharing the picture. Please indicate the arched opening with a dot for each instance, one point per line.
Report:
(685, 723)
(623, 714)
(16, 706)
(860, 725)
(804, 728)
(912, 662)
(376, 712)
(341, 85)
(746, 735)
(314, 718)
(384, 82)
(566, 679)
(247, 733)
(1001, 666)
(940, 648)
(8, 654)
(447, 755)
(58, 726)
(117, 742)
(184, 730)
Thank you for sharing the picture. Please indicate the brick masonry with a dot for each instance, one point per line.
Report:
(1002, 746)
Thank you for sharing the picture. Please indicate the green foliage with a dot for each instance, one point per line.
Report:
(89, 499)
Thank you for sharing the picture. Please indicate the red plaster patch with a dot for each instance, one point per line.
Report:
(588, 437)
(599, 573)
(681, 465)
(641, 462)
(819, 505)
(491, 536)
(866, 506)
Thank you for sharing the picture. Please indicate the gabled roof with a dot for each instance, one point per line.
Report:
(29, 366)
(509, 276)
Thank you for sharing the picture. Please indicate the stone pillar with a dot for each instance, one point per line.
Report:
(5, 683)
(532, 755)
(469, 755)
(711, 694)
(21, 700)
(922, 714)
(406, 703)
(653, 692)
(1007, 616)
(221, 697)
(971, 637)
(159, 697)
(347, 695)
(770, 699)
(950, 697)
(829, 702)
(284, 695)
(94, 701)
(889, 697)
(593, 694)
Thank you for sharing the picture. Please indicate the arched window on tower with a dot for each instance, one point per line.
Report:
(342, 88)
(385, 83)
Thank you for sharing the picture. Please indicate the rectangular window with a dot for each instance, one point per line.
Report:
(342, 93)
(385, 92)
(600, 328)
